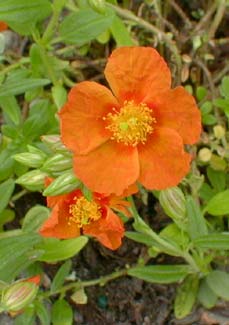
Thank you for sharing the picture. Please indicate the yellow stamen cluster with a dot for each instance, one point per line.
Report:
(132, 124)
(83, 212)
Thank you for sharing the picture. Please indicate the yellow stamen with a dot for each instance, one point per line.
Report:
(132, 124)
(83, 212)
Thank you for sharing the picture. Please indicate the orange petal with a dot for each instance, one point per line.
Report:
(176, 109)
(57, 225)
(34, 279)
(3, 26)
(82, 124)
(163, 161)
(109, 231)
(133, 72)
(111, 168)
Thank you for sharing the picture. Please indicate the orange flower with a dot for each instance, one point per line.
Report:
(136, 133)
(73, 214)
(3, 26)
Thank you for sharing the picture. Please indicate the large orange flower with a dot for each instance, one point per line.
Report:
(136, 132)
(72, 214)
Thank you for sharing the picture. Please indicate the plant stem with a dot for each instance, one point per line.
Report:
(83, 284)
(18, 195)
(217, 19)
(124, 13)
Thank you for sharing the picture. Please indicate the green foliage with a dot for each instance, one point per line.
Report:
(61, 313)
(83, 26)
(160, 273)
(186, 296)
(56, 250)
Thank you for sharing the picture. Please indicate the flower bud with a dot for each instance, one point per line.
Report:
(63, 184)
(219, 131)
(204, 154)
(57, 163)
(29, 159)
(173, 203)
(54, 143)
(98, 5)
(33, 180)
(18, 295)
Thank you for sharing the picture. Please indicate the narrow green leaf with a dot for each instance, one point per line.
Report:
(42, 312)
(217, 179)
(61, 313)
(6, 190)
(186, 296)
(213, 241)
(57, 250)
(18, 87)
(219, 204)
(206, 296)
(61, 275)
(196, 223)
(85, 25)
(120, 33)
(34, 218)
(218, 281)
(160, 273)
(16, 254)
(24, 11)
(140, 238)
(11, 109)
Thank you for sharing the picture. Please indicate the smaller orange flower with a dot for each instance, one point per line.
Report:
(3, 26)
(73, 214)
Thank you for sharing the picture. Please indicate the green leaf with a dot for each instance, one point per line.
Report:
(224, 87)
(140, 238)
(11, 109)
(201, 93)
(23, 15)
(213, 241)
(27, 317)
(20, 86)
(57, 250)
(218, 281)
(219, 204)
(85, 25)
(60, 276)
(61, 313)
(206, 192)
(34, 218)
(209, 119)
(59, 94)
(222, 103)
(6, 215)
(217, 179)
(160, 273)
(42, 312)
(16, 254)
(196, 223)
(206, 296)
(206, 108)
(120, 33)
(186, 296)
(6, 190)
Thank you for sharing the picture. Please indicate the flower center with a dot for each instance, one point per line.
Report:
(132, 124)
(83, 212)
